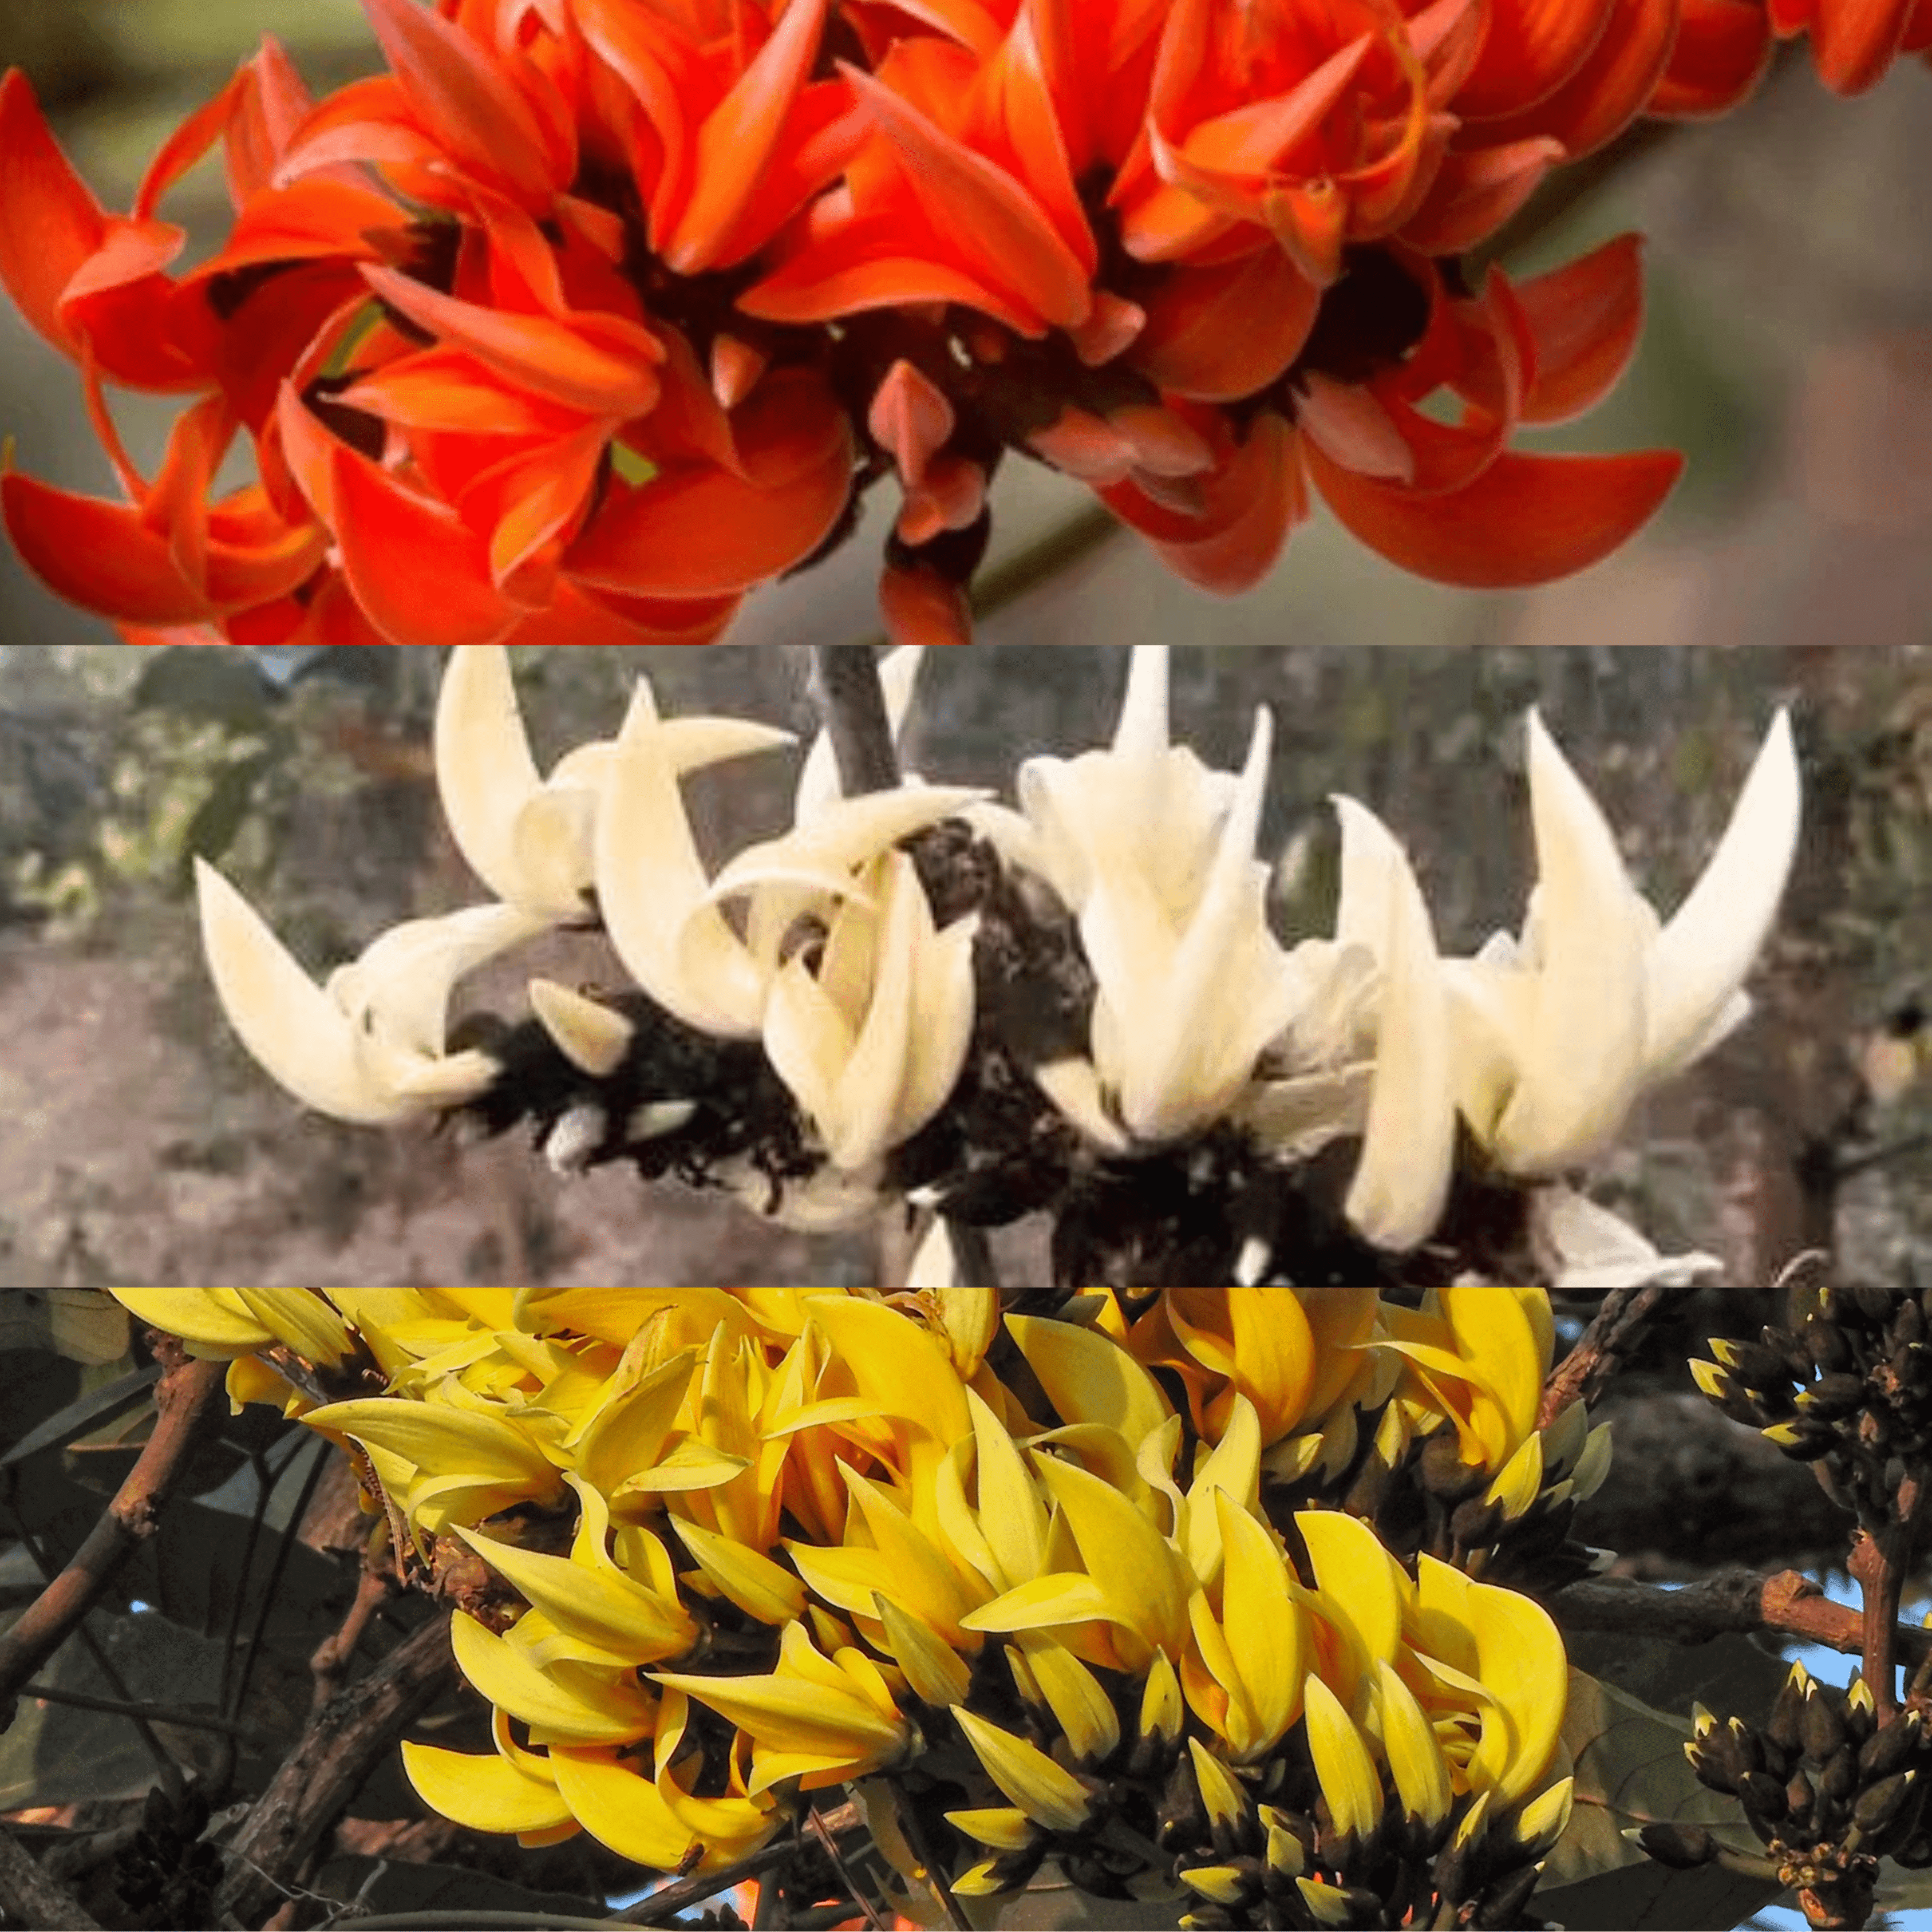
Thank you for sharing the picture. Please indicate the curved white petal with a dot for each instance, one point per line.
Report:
(301, 1038)
(827, 854)
(1142, 732)
(399, 988)
(1699, 961)
(652, 891)
(873, 1079)
(593, 1037)
(1401, 1180)
(943, 1005)
(484, 772)
(1581, 1066)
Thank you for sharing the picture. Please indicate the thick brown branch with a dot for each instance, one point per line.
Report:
(29, 1897)
(1585, 1371)
(187, 1399)
(1790, 1604)
(333, 1755)
(852, 704)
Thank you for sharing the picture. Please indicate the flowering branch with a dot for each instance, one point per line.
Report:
(853, 703)
(186, 1401)
(664, 1907)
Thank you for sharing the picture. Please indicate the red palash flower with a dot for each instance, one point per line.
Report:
(588, 317)
(1853, 42)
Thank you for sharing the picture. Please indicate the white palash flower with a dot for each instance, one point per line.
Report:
(1558, 1033)
(1155, 855)
(865, 1009)
(369, 1046)
(532, 840)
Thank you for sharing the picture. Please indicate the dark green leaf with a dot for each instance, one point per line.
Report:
(93, 1411)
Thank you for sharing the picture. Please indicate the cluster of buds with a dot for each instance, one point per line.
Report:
(923, 997)
(587, 316)
(1827, 1791)
(716, 1551)
(1850, 1391)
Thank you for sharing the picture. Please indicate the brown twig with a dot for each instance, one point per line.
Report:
(875, 1919)
(662, 1907)
(336, 1752)
(330, 1664)
(852, 704)
(1787, 1603)
(29, 1897)
(1585, 1371)
(154, 1713)
(1880, 1561)
(187, 1399)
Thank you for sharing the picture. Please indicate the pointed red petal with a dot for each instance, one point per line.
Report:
(1218, 334)
(99, 555)
(468, 103)
(909, 418)
(53, 223)
(1854, 41)
(602, 364)
(1531, 48)
(420, 575)
(1525, 519)
(735, 144)
(920, 607)
(1609, 90)
(1584, 320)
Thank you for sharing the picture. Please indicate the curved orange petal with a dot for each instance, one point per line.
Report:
(420, 575)
(1473, 193)
(736, 143)
(1609, 90)
(1248, 508)
(1523, 519)
(1532, 47)
(53, 223)
(1585, 318)
(698, 532)
(99, 555)
(605, 365)
(989, 222)
(1723, 47)
(1854, 41)
(1220, 334)
(449, 389)
(468, 103)
(919, 606)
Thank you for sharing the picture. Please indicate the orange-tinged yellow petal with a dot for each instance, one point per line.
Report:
(483, 1794)
(563, 1702)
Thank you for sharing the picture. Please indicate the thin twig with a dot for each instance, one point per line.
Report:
(1618, 1328)
(1881, 1560)
(29, 1897)
(662, 1907)
(910, 1824)
(875, 1919)
(153, 1714)
(852, 702)
(186, 1400)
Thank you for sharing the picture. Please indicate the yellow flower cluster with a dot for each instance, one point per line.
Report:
(750, 1543)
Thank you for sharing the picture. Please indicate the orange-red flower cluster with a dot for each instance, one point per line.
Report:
(588, 316)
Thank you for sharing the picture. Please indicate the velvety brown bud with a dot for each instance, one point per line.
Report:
(1879, 1806)
(1832, 1397)
(1762, 1794)
(1681, 1847)
(1891, 1750)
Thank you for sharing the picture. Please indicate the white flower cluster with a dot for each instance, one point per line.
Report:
(820, 955)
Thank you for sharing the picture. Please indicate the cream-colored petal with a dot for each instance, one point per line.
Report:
(592, 1037)
(1581, 1066)
(1700, 959)
(484, 772)
(301, 1039)
(826, 853)
(399, 988)
(1402, 1180)
(872, 1080)
(652, 891)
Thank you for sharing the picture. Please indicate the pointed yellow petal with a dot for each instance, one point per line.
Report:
(936, 1673)
(1048, 1793)
(483, 1794)
(1343, 1767)
(597, 1603)
(1089, 1377)
(759, 1587)
(564, 1702)
(1415, 1758)
(621, 1810)
(1264, 1625)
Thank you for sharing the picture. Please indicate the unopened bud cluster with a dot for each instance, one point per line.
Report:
(1850, 1388)
(1827, 1791)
